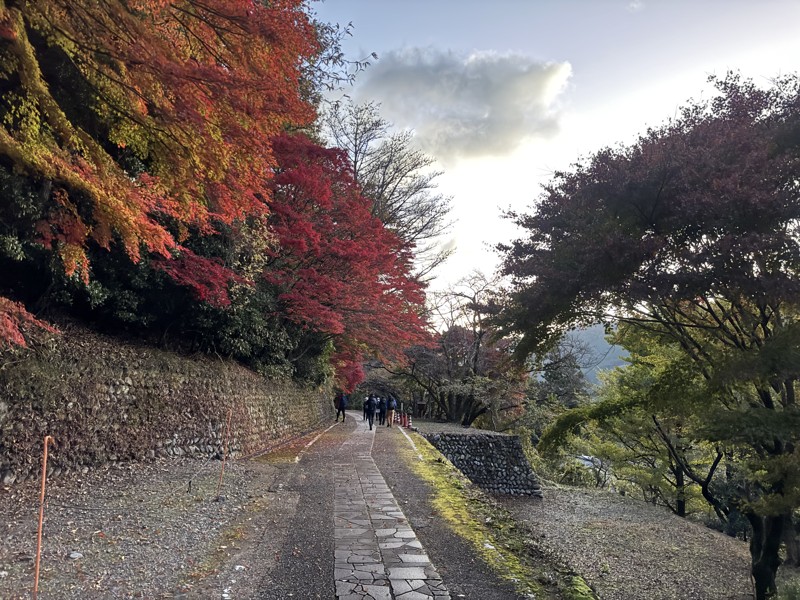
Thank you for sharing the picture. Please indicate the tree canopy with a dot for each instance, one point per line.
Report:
(398, 178)
(138, 120)
(690, 233)
(150, 184)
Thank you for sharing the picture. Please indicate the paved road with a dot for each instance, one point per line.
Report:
(378, 555)
(356, 524)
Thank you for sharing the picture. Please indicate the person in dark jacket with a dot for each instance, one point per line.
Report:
(341, 405)
(390, 408)
(369, 408)
(381, 410)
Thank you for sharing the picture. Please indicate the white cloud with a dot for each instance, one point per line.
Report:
(635, 5)
(484, 104)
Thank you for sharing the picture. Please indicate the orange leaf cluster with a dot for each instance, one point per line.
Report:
(194, 89)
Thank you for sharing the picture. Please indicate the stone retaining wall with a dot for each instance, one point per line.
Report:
(495, 462)
(106, 401)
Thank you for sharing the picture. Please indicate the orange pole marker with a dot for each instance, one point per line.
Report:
(47, 439)
(224, 451)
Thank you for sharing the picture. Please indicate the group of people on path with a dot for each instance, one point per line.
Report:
(384, 406)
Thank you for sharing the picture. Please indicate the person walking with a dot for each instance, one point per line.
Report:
(369, 407)
(382, 406)
(364, 407)
(341, 405)
(391, 406)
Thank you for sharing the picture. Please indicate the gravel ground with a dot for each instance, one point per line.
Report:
(135, 530)
(627, 549)
(424, 426)
(630, 550)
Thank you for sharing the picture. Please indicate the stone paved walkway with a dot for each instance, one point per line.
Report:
(378, 555)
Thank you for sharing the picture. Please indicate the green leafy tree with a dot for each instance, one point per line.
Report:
(648, 423)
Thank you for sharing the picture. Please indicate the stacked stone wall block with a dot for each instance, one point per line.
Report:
(103, 401)
(494, 462)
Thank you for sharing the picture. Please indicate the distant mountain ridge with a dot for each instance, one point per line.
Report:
(604, 355)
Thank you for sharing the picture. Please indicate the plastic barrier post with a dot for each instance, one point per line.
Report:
(47, 439)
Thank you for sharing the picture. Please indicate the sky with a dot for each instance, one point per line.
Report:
(504, 93)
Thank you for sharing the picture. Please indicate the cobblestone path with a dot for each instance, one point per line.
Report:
(378, 555)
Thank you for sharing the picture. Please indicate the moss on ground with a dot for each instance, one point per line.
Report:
(491, 530)
(578, 589)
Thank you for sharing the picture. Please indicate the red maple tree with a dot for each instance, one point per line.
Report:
(340, 271)
(207, 278)
(14, 320)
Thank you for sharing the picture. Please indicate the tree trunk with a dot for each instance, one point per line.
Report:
(473, 414)
(680, 485)
(764, 547)
(792, 542)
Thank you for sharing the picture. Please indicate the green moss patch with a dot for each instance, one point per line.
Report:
(491, 530)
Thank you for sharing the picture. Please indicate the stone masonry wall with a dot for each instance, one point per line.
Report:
(494, 462)
(103, 400)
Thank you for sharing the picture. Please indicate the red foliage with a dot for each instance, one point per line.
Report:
(13, 320)
(339, 270)
(349, 368)
(207, 278)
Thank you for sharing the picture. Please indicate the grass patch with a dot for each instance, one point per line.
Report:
(578, 589)
(491, 530)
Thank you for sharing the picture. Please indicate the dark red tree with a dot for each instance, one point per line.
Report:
(339, 270)
(690, 233)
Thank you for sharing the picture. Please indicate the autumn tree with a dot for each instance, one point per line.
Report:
(338, 270)
(316, 282)
(465, 372)
(134, 122)
(398, 178)
(690, 233)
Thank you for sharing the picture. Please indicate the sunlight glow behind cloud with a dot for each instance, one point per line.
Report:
(484, 104)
